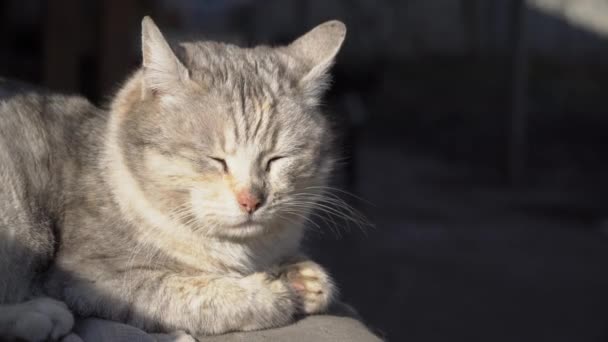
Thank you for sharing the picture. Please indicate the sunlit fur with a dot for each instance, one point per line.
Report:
(244, 106)
(148, 227)
(243, 109)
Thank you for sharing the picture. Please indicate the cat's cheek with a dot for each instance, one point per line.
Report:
(205, 200)
(280, 181)
(204, 194)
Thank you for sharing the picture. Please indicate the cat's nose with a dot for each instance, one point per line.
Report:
(248, 201)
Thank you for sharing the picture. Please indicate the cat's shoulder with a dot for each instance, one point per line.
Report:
(25, 98)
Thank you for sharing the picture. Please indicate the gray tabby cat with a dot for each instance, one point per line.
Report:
(182, 207)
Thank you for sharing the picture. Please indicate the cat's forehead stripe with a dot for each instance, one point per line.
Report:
(235, 132)
(258, 123)
(253, 102)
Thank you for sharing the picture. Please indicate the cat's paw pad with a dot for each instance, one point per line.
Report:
(41, 319)
(312, 284)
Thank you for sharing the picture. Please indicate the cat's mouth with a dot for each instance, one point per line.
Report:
(247, 223)
(247, 228)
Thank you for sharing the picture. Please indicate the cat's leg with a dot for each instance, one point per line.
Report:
(25, 248)
(258, 301)
(312, 283)
(39, 319)
(159, 300)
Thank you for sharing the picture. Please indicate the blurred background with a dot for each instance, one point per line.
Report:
(472, 130)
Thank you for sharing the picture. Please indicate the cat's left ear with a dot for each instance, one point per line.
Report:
(162, 70)
(317, 50)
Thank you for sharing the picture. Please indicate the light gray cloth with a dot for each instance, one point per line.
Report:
(312, 328)
(342, 325)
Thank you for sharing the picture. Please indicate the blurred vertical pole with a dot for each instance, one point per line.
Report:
(519, 92)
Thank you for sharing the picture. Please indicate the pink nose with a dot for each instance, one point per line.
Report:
(248, 201)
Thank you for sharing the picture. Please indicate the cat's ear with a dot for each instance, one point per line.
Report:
(317, 50)
(162, 70)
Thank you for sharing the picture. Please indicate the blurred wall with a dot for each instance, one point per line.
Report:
(563, 30)
(394, 31)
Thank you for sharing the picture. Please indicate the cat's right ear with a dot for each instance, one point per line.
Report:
(316, 50)
(162, 70)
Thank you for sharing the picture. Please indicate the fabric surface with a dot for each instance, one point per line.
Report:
(341, 325)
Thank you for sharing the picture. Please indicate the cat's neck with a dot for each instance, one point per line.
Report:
(157, 230)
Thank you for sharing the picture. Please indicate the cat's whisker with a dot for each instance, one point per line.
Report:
(316, 207)
(313, 211)
(327, 209)
(333, 226)
(337, 201)
(329, 190)
(304, 217)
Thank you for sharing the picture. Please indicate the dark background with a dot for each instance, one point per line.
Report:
(474, 130)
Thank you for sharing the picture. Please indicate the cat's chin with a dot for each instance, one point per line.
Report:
(247, 229)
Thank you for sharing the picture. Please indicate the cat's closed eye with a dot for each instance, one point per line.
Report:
(271, 161)
(221, 162)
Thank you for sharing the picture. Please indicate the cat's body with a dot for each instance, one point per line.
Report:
(179, 208)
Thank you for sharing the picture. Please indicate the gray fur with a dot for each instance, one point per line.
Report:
(124, 214)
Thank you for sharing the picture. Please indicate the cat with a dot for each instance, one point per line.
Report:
(182, 206)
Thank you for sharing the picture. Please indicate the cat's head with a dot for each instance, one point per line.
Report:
(231, 141)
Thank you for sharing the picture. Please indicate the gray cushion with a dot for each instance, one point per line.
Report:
(341, 325)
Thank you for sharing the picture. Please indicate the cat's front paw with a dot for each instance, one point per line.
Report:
(40, 319)
(312, 284)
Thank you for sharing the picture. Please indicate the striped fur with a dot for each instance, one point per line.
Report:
(131, 214)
